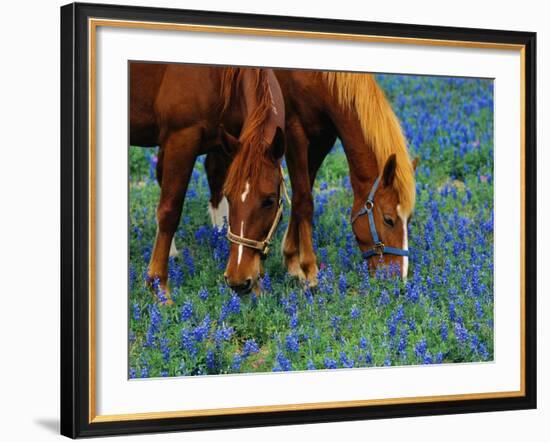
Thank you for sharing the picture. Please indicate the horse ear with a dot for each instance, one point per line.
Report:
(415, 163)
(278, 145)
(389, 170)
(230, 144)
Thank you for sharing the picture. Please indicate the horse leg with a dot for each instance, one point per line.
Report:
(299, 257)
(216, 165)
(173, 249)
(180, 152)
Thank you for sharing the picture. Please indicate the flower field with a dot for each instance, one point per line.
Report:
(443, 313)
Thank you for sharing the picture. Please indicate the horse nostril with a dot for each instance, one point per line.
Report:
(247, 284)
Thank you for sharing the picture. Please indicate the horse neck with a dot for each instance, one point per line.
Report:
(256, 87)
(361, 158)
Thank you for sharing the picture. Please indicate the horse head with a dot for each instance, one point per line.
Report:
(380, 224)
(254, 185)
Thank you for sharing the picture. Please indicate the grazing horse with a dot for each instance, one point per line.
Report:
(192, 110)
(321, 106)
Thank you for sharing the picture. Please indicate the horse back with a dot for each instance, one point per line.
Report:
(168, 97)
(145, 81)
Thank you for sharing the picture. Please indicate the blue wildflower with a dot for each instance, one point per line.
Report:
(250, 347)
(330, 363)
(186, 311)
(291, 343)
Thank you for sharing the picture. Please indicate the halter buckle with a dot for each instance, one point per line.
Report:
(369, 205)
(379, 248)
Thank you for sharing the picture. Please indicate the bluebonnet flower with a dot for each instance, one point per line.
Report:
(384, 298)
(211, 363)
(233, 305)
(154, 326)
(444, 331)
(345, 361)
(310, 365)
(165, 349)
(266, 283)
(250, 347)
(203, 294)
(402, 346)
(133, 373)
(354, 313)
(479, 309)
(175, 274)
(308, 295)
(330, 363)
(223, 334)
(283, 364)
(363, 342)
(187, 342)
(461, 333)
(186, 311)
(136, 312)
(452, 311)
(368, 358)
(132, 276)
(420, 348)
(236, 362)
(335, 322)
(189, 262)
(291, 343)
(201, 331)
(482, 350)
(342, 284)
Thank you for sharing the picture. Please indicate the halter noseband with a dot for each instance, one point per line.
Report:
(263, 246)
(379, 247)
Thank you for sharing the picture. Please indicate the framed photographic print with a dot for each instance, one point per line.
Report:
(278, 220)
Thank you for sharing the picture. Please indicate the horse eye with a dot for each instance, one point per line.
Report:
(388, 221)
(268, 202)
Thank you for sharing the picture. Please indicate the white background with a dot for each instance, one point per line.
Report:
(29, 239)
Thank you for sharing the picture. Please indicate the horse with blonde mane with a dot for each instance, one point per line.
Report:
(321, 106)
(236, 114)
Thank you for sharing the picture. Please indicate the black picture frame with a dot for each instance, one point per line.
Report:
(75, 194)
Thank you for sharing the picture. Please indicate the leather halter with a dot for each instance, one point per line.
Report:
(263, 246)
(379, 247)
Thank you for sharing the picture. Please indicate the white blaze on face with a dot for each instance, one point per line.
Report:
(405, 245)
(245, 192)
(240, 251)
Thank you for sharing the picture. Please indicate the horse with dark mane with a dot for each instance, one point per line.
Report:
(237, 114)
(321, 106)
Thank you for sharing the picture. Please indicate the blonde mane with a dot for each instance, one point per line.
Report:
(380, 126)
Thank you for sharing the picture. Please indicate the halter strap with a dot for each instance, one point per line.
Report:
(263, 246)
(379, 247)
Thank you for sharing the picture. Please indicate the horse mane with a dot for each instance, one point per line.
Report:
(254, 147)
(380, 126)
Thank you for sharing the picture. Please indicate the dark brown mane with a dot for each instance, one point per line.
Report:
(254, 147)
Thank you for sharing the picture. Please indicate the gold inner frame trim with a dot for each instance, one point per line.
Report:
(93, 24)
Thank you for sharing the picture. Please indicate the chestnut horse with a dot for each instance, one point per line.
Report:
(321, 106)
(192, 110)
